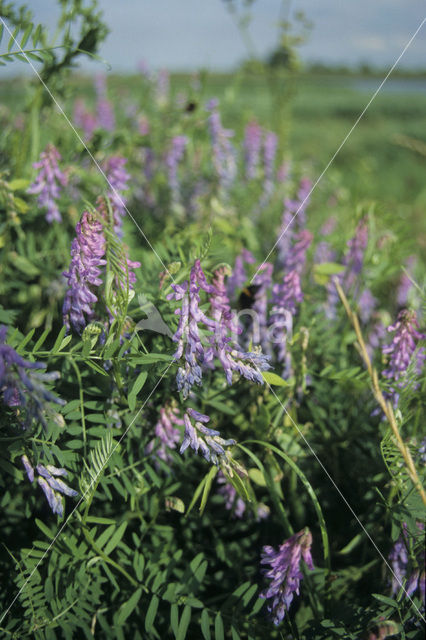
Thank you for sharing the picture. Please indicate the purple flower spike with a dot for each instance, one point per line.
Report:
(285, 573)
(296, 256)
(208, 441)
(224, 156)
(405, 283)
(402, 565)
(238, 277)
(22, 384)
(173, 157)
(166, 433)
(117, 178)
(105, 111)
(354, 258)
(48, 183)
(252, 146)
(84, 119)
(367, 303)
(87, 252)
(285, 299)
(269, 153)
(401, 351)
(50, 484)
(297, 207)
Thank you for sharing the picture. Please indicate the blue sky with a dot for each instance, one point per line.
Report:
(189, 34)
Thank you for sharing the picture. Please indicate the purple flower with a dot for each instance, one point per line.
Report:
(296, 255)
(262, 281)
(173, 157)
(223, 341)
(48, 480)
(401, 563)
(218, 344)
(354, 257)
(375, 336)
(297, 207)
(252, 145)
(324, 253)
(229, 493)
(366, 303)
(22, 384)
(188, 334)
(283, 172)
(87, 252)
(163, 86)
(208, 441)
(285, 573)
(401, 350)
(269, 152)
(224, 156)
(105, 111)
(405, 283)
(117, 178)
(166, 433)
(84, 119)
(238, 277)
(48, 181)
(285, 299)
(328, 226)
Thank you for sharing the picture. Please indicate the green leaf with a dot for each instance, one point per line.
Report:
(386, 600)
(19, 184)
(59, 340)
(12, 39)
(26, 35)
(174, 618)
(207, 486)
(151, 613)
(25, 266)
(116, 538)
(274, 379)
(137, 386)
(219, 632)
(184, 623)
(205, 625)
(129, 606)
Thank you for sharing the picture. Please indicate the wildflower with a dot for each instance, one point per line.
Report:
(117, 178)
(229, 493)
(324, 253)
(238, 276)
(366, 303)
(252, 144)
(22, 383)
(173, 157)
(162, 87)
(297, 207)
(48, 183)
(105, 112)
(283, 172)
(401, 350)
(400, 562)
(208, 441)
(285, 573)
(219, 344)
(405, 284)
(84, 119)
(51, 484)
(269, 152)
(87, 256)
(224, 157)
(262, 282)
(286, 296)
(354, 257)
(296, 255)
(165, 431)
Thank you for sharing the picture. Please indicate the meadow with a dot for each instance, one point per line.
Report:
(211, 368)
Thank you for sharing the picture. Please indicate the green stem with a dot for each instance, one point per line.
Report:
(83, 417)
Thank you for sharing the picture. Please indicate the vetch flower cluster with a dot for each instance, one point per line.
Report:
(48, 182)
(166, 433)
(400, 562)
(285, 573)
(200, 349)
(49, 480)
(224, 155)
(22, 383)
(208, 441)
(118, 179)
(252, 145)
(401, 350)
(173, 157)
(83, 275)
(105, 111)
